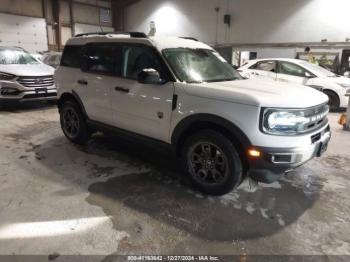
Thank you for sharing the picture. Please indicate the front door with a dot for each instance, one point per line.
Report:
(292, 73)
(142, 108)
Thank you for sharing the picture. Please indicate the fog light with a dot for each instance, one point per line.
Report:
(9, 91)
(254, 153)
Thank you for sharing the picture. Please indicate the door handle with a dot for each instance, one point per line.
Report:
(121, 89)
(82, 82)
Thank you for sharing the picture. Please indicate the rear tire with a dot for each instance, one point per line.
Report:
(73, 123)
(212, 162)
(334, 101)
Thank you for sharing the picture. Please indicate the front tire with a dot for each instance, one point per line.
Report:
(212, 162)
(334, 101)
(73, 123)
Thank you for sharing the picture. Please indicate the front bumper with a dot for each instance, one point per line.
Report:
(14, 91)
(274, 162)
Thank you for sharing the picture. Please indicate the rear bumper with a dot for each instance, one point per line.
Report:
(274, 162)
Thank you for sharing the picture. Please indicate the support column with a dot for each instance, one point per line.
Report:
(56, 13)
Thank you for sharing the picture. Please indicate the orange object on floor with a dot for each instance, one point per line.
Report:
(342, 119)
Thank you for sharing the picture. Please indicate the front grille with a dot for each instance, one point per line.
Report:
(317, 137)
(36, 81)
(39, 95)
(317, 117)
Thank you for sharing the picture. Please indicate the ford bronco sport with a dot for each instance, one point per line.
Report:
(181, 93)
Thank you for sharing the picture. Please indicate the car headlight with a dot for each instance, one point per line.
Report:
(5, 76)
(291, 122)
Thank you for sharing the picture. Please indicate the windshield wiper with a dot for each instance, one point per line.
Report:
(194, 82)
(223, 79)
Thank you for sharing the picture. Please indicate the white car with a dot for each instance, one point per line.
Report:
(181, 94)
(300, 72)
(52, 59)
(23, 78)
(37, 56)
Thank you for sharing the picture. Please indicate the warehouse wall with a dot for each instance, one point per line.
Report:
(23, 24)
(263, 21)
(29, 24)
(30, 8)
(23, 31)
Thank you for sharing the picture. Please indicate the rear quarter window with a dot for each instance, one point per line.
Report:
(72, 56)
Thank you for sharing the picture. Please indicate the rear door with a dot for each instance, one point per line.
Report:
(99, 76)
(266, 69)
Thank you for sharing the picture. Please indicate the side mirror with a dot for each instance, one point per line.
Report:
(308, 75)
(347, 74)
(150, 76)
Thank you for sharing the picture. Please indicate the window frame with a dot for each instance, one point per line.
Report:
(167, 72)
(163, 64)
(265, 61)
(84, 65)
(83, 54)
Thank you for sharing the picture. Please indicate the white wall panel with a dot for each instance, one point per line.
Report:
(66, 33)
(27, 32)
(253, 21)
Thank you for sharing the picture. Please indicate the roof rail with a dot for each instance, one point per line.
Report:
(132, 34)
(189, 38)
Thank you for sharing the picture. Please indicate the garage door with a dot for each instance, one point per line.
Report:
(26, 32)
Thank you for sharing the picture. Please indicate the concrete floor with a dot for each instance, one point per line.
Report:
(116, 197)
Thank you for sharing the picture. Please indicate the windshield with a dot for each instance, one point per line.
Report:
(8, 56)
(199, 65)
(317, 70)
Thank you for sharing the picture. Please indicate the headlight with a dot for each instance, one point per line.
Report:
(5, 76)
(291, 122)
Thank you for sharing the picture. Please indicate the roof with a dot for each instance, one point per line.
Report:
(163, 42)
(160, 42)
(279, 59)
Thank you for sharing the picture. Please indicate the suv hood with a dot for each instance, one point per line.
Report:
(28, 70)
(261, 93)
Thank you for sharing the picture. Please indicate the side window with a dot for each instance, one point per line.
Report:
(72, 56)
(269, 66)
(291, 69)
(137, 58)
(103, 58)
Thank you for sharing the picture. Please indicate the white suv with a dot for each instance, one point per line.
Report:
(182, 94)
(24, 78)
